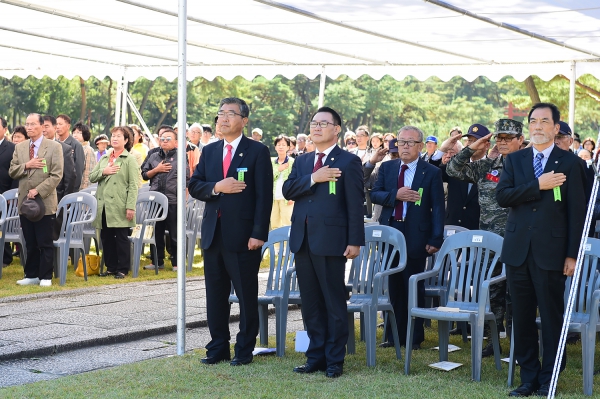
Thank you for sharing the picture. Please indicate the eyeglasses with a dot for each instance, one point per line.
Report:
(562, 137)
(350, 142)
(402, 143)
(163, 139)
(506, 139)
(228, 114)
(323, 124)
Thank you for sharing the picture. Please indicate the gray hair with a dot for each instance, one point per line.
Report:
(413, 128)
(197, 126)
(301, 136)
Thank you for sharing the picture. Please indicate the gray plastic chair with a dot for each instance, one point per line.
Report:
(437, 286)
(193, 217)
(468, 291)
(584, 318)
(78, 209)
(369, 289)
(3, 225)
(89, 231)
(150, 208)
(144, 188)
(14, 233)
(280, 292)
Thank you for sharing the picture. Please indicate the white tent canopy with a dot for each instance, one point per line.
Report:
(248, 38)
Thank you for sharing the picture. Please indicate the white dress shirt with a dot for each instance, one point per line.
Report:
(317, 152)
(409, 175)
(546, 153)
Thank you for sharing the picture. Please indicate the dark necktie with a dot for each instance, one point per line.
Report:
(319, 163)
(537, 165)
(31, 150)
(400, 205)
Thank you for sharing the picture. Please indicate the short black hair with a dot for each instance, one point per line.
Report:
(64, 118)
(21, 130)
(244, 110)
(50, 119)
(3, 122)
(281, 137)
(166, 129)
(84, 129)
(336, 117)
(206, 128)
(552, 107)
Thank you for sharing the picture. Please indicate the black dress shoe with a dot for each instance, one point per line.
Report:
(215, 359)
(525, 389)
(386, 344)
(416, 347)
(241, 361)
(543, 390)
(308, 368)
(334, 371)
(489, 350)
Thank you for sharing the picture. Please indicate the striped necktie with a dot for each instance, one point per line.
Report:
(537, 165)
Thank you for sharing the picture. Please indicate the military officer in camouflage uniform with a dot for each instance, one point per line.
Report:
(486, 174)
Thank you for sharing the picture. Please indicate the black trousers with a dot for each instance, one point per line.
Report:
(324, 309)
(221, 269)
(398, 289)
(170, 223)
(530, 288)
(7, 258)
(40, 247)
(117, 249)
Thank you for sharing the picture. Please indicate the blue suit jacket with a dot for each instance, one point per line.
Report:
(244, 215)
(333, 221)
(424, 224)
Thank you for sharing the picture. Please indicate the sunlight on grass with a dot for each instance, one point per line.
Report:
(272, 377)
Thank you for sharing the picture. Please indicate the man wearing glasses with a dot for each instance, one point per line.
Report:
(544, 189)
(327, 229)
(161, 170)
(301, 143)
(235, 179)
(411, 193)
(485, 173)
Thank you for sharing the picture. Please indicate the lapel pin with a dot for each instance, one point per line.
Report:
(241, 154)
(332, 159)
(555, 161)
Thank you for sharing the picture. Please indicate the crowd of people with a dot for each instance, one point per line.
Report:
(531, 192)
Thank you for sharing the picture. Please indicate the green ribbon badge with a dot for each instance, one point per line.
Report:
(45, 169)
(420, 191)
(332, 187)
(557, 196)
(240, 172)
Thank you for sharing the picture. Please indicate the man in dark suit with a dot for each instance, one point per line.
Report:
(411, 192)
(6, 182)
(544, 187)
(327, 229)
(63, 133)
(235, 179)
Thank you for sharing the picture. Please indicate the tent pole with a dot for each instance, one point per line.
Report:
(322, 87)
(572, 96)
(124, 100)
(118, 101)
(142, 122)
(181, 166)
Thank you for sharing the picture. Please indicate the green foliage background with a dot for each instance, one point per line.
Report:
(284, 106)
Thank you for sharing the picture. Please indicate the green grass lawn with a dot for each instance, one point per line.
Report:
(272, 377)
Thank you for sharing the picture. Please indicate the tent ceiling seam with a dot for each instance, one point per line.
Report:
(308, 14)
(250, 33)
(509, 27)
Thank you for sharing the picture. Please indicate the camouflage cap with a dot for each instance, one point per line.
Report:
(508, 126)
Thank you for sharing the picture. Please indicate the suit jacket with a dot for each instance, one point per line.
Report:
(67, 183)
(78, 158)
(462, 208)
(244, 215)
(424, 224)
(6, 153)
(552, 229)
(44, 182)
(332, 221)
